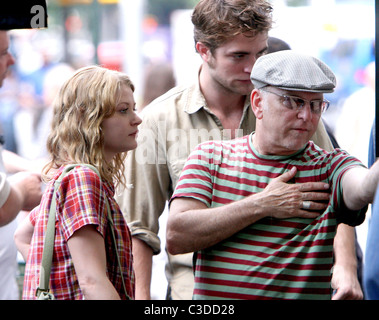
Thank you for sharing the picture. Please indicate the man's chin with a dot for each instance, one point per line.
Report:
(243, 90)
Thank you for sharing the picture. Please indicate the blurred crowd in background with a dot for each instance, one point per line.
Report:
(152, 41)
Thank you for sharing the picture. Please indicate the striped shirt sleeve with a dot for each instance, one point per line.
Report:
(196, 179)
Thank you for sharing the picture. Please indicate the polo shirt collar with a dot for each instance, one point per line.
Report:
(195, 100)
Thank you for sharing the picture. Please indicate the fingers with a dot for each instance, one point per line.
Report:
(303, 187)
(285, 177)
(340, 294)
(307, 200)
(306, 204)
(315, 196)
(313, 186)
(313, 206)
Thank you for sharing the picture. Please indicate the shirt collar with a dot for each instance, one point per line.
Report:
(195, 99)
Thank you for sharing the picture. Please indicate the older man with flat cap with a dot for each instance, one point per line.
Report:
(220, 206)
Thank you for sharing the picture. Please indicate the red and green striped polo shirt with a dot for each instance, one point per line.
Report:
(272, 258)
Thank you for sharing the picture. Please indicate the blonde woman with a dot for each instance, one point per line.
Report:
(95, 123)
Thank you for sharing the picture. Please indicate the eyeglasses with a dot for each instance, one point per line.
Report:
(296, 103)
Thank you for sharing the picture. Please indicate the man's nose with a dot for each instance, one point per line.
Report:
(249, 66)
(305, 112)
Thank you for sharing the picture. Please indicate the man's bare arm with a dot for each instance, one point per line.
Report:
(345, 277)
(359, 186)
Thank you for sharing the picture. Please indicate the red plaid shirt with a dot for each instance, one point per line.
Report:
(80, 202)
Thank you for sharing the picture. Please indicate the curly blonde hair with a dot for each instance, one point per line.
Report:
(76, 136)
(215, 21)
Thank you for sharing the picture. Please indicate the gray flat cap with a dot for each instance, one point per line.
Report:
(292, 71)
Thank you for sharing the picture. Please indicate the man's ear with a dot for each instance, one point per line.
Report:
(256, 100)
(204, 51)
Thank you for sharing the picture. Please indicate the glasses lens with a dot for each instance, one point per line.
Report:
(288, 102)
(316, 106)
(297, 103)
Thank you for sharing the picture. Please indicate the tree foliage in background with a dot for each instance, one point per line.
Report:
(162, 9)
